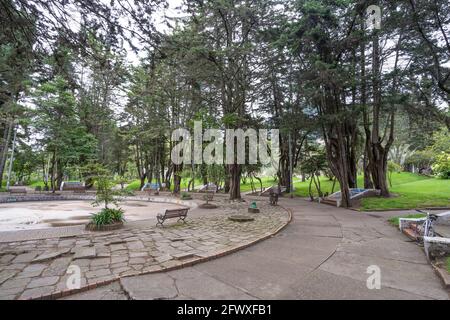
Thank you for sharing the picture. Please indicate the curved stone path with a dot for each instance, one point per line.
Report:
(323, 253)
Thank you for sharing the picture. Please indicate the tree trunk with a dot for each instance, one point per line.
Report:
(377, 153)
(367, 180)
(235, 181)
(52, 175)
(177, 178)
(283, 172)
(366, 171)
(150, 175)
(352, 136)
(378, 168)
(142, 182)
(168, 176)
(283, 175)
(352, 133)
(4, 153)
(59, 175)
(227, 181)
(342, 170)
(260, 182)
(204, 173)
(335, 143)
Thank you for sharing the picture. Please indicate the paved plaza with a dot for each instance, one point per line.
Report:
(37, 268)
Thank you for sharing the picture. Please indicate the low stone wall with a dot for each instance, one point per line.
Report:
(443, 218)
(45, 197)
(74, 196)
(436, 247)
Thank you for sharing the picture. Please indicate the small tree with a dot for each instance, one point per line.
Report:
(106, 195)
(92, 172)
(105, 192)
(313, 166)
(420, 160)
(393, 167)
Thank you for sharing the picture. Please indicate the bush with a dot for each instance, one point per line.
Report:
(393, 167)
(91, 172)
(108, 216)
(125, 192)
(441, 166)
(185, 195)
(420, 159)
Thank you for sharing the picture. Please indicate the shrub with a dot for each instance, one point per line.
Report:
(313, 165)
(185, 195)
(393, 167)
(441, 166)
(420, 159)
(441, 142)
(91, 172)
(108, 216)
(125, 192)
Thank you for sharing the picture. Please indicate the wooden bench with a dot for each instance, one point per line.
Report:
(18, 191)
(209, 188)
(181, 214)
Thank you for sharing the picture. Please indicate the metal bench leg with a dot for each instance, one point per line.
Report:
(160, 222)
(182, 219)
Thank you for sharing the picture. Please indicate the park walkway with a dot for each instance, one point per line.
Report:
(323, 254)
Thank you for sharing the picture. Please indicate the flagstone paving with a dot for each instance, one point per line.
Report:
(38, 268)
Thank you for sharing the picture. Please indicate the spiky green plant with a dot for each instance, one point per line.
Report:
(108, 216)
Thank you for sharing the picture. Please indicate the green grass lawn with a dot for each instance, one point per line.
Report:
(38, 183)
(395, 220)
(301, 188)
(266, 182)
(134, 185)
(410, 192)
